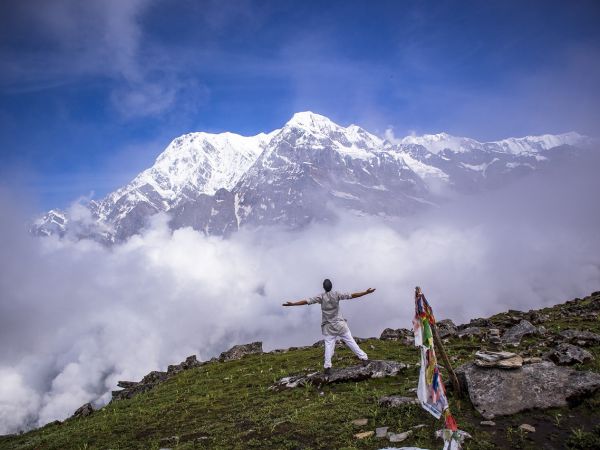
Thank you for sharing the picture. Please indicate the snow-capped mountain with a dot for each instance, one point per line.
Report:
(306, 171)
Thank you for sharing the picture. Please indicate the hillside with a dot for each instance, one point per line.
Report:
(228, 404)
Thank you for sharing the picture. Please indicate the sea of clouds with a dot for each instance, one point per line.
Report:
(76, 317)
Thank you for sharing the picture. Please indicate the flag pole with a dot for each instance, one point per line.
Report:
(445, 360)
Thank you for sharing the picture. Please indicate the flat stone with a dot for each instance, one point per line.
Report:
(493, 356)
(399, 437)
(375, 369)
(566, 354)
(514, 334)
(511, 363)
(526, 427)
(497, 392)
(395, 401)
(381, 432)
(364, 435)
(487, 423)
(360, 422)
(532, 360)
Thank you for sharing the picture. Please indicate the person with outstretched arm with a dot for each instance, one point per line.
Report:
(333, 325)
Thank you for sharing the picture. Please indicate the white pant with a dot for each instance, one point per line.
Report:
(350, 343)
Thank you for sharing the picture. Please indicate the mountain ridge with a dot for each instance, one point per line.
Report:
(217, 183)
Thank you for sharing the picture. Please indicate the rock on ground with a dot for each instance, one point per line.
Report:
(580, 337)
(446, 328)
(566, 354)
(498, 392)
(239, 351)
(83, 411)
(395, 401)
(375, 369)
(514, 334)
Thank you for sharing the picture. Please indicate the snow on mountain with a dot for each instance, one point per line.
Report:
(438, 143)
(303, 172)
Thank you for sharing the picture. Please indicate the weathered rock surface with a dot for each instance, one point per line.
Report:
(566, 354)
(394, 401)
(400, 334)
(375, 369)
(239, 351)
(515, 334)
(446, 328)
(497, 392)
(501, 360)
(580, 337)
(154, 378)
(399, 437)
(83, 411)
(469, 331)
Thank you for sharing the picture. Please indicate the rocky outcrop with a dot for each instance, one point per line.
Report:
(83, 411)
(470, 332)
(446, 328)
(566, 354)
(514, 335)
(400, 334)
(239, 351)
(579, 337)
(496, 392)
(375, 369)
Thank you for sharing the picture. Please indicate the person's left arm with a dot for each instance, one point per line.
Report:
(360, 294)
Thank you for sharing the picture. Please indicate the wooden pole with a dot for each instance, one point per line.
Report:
(439, 347)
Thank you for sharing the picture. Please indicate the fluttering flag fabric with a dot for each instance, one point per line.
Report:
(431, 391)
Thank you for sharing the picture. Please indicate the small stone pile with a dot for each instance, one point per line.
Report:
(500, 360)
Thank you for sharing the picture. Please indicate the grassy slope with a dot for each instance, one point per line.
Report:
(228, 405)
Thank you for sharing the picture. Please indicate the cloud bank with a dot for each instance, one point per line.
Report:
(76, 317)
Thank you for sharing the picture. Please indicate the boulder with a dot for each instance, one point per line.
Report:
(446, 328)
(375, 369)
(389, 334)
(496, 392)
(566, 354)
(514, 334)
(469, 331)
(580, 337)
(239, 351)
(189, 363)
(83, 411)
(394, 401)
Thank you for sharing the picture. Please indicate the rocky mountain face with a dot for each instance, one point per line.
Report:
(306, 171)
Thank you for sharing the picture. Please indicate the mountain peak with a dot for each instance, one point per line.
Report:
(311, 121)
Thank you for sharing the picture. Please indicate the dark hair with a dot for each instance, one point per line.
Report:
(327, 285)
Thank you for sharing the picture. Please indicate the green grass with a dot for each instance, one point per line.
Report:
(229, 406)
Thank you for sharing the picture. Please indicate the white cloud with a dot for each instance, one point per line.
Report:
(79, 317)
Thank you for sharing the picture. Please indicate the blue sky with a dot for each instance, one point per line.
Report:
(91, 92)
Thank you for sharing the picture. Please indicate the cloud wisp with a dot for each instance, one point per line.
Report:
(78, 317)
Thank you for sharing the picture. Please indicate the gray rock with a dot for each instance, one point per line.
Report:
(469, 331)
(497, 392)
(399, 437)
(502, 360)
(381, 432)
(389, 334)
(487, 423)
(580, 337)
(566, 354)
(515, 334)
(83, 411)
(446, 328)
(394, 401)
(375, 369)
(239, 351)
